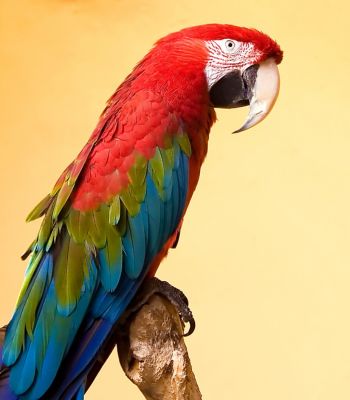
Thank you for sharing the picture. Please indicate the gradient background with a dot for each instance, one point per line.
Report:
(264, 251)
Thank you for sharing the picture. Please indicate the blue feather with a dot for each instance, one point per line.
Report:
(26, 364)
(154, 207)
(175, 200)
(145, 220)
(134, 247)
(110, 272)
(89, 345)
(102, 301)
(80, 393)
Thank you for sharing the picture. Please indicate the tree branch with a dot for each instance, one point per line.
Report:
(153, 353)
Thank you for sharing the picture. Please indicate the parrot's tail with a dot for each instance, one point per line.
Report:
(5, 392)
(79, 368)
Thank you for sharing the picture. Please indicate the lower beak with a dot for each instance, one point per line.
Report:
(257, 87)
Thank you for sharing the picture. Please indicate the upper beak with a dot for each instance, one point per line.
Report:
(258, 86)
(264, 93)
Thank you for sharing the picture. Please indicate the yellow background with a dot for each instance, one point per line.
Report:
(264, 251)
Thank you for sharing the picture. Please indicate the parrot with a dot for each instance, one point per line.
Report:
(118, 208)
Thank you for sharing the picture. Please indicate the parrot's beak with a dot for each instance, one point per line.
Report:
(257, 86)
(264, 93)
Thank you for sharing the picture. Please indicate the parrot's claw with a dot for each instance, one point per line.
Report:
(175, 296)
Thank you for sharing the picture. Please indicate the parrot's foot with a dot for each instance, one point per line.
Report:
(175, 296)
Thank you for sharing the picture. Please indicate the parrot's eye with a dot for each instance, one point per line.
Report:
(230, 45)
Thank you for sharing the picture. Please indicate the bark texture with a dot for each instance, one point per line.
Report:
(153, 354)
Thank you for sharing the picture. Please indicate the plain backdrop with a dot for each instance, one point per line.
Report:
(264, 250)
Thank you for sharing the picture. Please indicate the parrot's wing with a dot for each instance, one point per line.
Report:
(88, 261)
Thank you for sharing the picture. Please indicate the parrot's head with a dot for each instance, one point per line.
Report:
(234, 66)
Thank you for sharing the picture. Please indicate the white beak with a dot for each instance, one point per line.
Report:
(264, 93)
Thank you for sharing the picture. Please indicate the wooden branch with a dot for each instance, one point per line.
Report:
(153, 353)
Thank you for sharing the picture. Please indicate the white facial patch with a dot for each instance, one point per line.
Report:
(226, 55)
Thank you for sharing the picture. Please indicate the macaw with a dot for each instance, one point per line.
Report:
(118, 207)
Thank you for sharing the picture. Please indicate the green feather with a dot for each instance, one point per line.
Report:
(111, 267)
(121, 227)
(157, 171)
(69, 274)
(45, 228)
(114, 245)
(137, 175)
(98, 226)
(53, 236)
(62, 197)
(78, 224)
(168, 157)
(128, 198)
(29, 310)
(34, 261)
(184, 143)
(140, 193)
(77, 167)
(114, 211)
(40, 209)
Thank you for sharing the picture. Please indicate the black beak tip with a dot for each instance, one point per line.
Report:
(241, 129)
